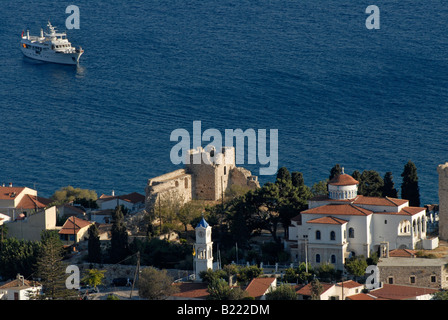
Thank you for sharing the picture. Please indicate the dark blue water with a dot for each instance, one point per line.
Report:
(336, 91)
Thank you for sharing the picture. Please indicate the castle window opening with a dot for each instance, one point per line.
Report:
(225, 170)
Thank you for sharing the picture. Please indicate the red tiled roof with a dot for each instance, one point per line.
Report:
(191, 290)
(327, 220)
(349, 284)
(379, 201)
(399, 292)
(361, 296)
(360, 199)
(18, 283)
(7, 193)
(32, 202)
(343, 180)
(306, 290)
(133, 197)
(73, 224)
(339, 209)
(258, 286)
(404, 253)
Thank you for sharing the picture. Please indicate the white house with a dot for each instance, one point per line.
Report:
(332, 291)
(19, 289)
(133, 201)
(345, 224)
(16, 201)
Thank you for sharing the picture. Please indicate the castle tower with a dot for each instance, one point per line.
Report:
(203, 248)
(211, 171)
(442, 170)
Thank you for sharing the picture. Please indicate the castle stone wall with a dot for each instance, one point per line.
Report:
(442, 170)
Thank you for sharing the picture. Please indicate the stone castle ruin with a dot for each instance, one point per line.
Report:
(442, 170)
(206, 176)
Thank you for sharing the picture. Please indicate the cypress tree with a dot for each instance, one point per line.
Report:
(409, 188)
(94, 248)
(389, 186)
(335, 171)
(119, 238)
(371, 184)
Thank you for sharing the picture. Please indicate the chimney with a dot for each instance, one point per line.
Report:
(113, 193)
(10, 184)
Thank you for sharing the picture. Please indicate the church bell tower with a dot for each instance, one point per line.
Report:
(203, 248)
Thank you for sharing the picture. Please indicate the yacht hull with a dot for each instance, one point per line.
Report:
(51, 56)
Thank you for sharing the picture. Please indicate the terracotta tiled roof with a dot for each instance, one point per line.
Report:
(404, 253)
(7, 193)
(327, 220)
(70, 227)
(32, 202)
(349, 284)
(343, 180)
(306, 290)
(379, 201)
(398, 292)
(411, 210)
(339, 209)
(361, 296)
(133, 197)
(258, 286)
(18, 283)
(191, 290)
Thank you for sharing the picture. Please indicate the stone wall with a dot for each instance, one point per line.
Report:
(443, 200)
(206, 176)
(124, 271)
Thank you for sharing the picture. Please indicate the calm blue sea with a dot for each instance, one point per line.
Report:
(336, 91)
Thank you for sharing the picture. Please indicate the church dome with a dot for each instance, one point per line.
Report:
(343, 180)
(343, 187)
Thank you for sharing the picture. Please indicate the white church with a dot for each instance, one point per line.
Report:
(345, 224)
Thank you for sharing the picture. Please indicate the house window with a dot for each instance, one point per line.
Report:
(390, 280)
(332, 235)
(412, 279)
(317, 234)
(433, 278)
(385, 221)
(333, 259)
(317, 258)
(351, 233)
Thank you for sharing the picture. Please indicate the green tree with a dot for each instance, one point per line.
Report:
(119, 246)
(389, 186)
(219, 289)
(155, 284)
(282, 292)
(356, 175)
(409, 188)
(94, 277)
(335, 171)
(356, 266)
(371, 184)
(316, 289)
(70, 194)
(51, 269)
(18, 256)
(94, 247)
(320, 188)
